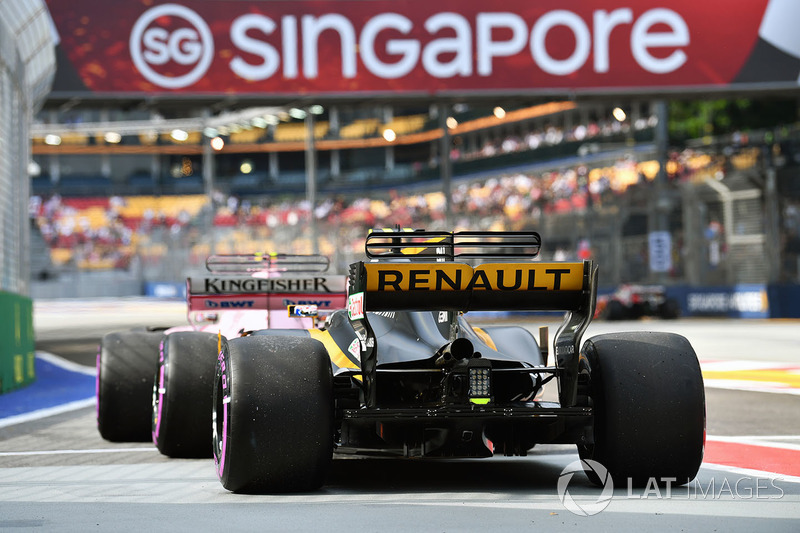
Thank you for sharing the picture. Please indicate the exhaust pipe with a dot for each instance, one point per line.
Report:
(456, 350)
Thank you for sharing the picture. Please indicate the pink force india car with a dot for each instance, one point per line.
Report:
(157, 383)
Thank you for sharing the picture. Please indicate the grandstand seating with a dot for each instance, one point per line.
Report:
(252, 135)
(505, 188)
(296, 131)
(360, 128)
(403, 125)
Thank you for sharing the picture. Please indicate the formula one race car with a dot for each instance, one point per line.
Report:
(402, 373)
(246, 292)
(631, 302)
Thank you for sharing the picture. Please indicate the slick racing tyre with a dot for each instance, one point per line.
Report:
(126, 362)
(273, 414)
(615, 310)
(182, 394)
(649, 407)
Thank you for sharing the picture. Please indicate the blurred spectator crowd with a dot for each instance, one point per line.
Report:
(144, 231)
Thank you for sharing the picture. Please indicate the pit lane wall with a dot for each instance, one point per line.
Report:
(16, 341)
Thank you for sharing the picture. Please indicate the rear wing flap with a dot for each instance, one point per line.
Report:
(266, 262)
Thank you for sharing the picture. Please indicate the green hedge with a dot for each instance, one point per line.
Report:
(16, 341)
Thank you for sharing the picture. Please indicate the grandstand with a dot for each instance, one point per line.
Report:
(554, 196)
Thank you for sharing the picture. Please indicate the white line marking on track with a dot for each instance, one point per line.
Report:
(751, 386)
(753, 473)
(757, 437)
(759, 441)
(735, 366)
(63, 452)
(44, 413)
(65, 364)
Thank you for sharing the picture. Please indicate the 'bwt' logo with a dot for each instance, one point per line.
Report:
(161, 39)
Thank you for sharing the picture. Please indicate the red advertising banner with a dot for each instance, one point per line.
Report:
(291, 48)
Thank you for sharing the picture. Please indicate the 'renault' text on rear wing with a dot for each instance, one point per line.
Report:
(446, 285)
(453, 286)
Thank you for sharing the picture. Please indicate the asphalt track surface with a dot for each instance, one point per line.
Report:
(57, 474)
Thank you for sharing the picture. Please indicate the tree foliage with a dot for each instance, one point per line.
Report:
(696, 118)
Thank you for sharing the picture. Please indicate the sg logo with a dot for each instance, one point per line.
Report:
(152, 45)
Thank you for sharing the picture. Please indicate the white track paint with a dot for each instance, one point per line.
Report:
(751, 473)
(760, 441)
(65, 364)
(58, 409)
(44, 413)
(65, 452)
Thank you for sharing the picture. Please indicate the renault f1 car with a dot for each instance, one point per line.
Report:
(244, 292)
(401, 373)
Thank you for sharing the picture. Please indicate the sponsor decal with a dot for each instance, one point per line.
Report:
(303, 310)
(258, 285)
(355, 306)
(173, 55)
(230, 304)
(461, 277)
(754, 301)
(325, 304)
(414, 45)
(354, 347)
(280, 47)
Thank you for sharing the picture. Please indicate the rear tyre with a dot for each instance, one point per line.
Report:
(126, 362)
(615, 310)
(670, 309)
(273, 414)
(647, 393)
(183, 392)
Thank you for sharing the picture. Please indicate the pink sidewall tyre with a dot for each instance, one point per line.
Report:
(182, 394)
(273, 414)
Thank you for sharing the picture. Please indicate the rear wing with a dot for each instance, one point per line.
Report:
(266, 282)
(268, 294)
(446, 285)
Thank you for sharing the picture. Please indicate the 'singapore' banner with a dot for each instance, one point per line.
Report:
(419, 46)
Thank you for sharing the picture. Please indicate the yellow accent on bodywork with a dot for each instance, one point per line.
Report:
(485, 338)
(419, 250)
(480, 401)
(336, 354)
